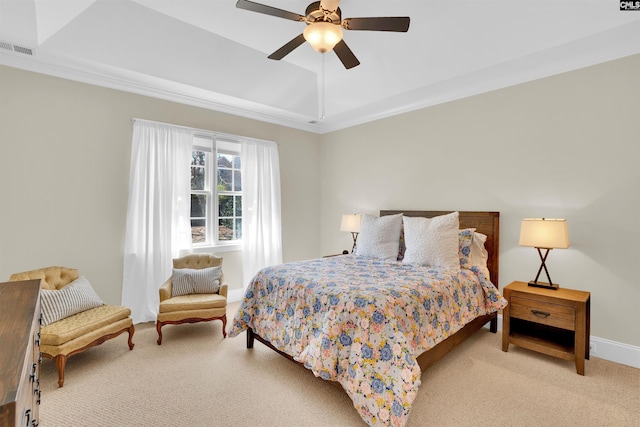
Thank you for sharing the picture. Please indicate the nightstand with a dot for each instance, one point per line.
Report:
(553, 322)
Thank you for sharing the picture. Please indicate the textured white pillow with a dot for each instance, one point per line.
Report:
(74, 298)
(479, 254)
(188, 281)
(432, 241)
(379, 237)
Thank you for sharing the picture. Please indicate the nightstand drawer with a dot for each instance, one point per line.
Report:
(545, 313)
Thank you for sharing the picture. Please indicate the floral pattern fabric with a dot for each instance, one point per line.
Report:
(363, 322)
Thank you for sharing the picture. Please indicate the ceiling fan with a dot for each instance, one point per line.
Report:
(324, 27)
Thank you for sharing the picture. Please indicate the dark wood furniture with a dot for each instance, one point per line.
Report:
(20, 353)
(553, 322)
(487, 223)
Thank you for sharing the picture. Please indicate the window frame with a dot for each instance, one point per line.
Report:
(212, 145)
(232, 148)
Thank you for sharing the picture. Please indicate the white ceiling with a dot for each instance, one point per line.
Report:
(208, 53)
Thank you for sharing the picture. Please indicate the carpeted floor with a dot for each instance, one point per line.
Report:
(197, 378)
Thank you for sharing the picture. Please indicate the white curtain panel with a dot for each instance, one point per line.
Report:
(261, 211)
(158, 223)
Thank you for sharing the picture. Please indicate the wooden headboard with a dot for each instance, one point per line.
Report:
(487, 223)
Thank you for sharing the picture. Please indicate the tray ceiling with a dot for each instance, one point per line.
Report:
(213, 55)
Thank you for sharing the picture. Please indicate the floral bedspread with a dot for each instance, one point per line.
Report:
(363, 322)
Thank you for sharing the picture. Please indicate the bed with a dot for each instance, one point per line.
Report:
(371, 324)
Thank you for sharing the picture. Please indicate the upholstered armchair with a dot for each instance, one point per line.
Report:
(195, 292)
(74, 318)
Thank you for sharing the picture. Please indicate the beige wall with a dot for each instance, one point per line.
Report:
(65, 151)
(565, 146)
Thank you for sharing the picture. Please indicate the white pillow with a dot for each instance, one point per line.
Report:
(74, 298)
(432, 241)
(479, 254)
(188, 281)
(379, 237)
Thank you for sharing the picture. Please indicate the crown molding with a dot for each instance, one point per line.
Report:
(158, 88)
(609, 45)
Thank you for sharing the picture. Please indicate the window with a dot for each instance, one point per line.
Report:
(216, 191)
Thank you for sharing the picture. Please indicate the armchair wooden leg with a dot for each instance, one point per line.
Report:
(132, 330)
(61, 361)
(159, 329)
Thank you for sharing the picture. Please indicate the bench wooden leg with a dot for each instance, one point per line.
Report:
(61, 361)
(224, 326)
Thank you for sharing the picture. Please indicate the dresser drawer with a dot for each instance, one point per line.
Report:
(545, 313)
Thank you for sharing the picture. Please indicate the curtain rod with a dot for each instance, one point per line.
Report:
(217, 134)
(135, 119)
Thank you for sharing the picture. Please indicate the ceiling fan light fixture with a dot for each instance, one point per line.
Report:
(323, 36)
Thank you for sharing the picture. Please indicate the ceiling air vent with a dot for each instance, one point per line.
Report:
(16, 48)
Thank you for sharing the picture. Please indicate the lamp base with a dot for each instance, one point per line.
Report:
(545, 285)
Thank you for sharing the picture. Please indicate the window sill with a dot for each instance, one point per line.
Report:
(217, 249)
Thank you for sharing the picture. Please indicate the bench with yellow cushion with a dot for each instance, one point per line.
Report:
(81, 331)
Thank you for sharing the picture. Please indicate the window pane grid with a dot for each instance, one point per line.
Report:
(216, 197)
(229, 216)
(200, 197)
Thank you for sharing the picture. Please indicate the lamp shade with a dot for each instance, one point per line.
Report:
(351, 222)
(546, 233)
(322, 36)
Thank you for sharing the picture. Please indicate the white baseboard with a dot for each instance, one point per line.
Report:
(613, 351)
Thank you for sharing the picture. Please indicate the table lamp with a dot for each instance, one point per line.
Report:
(351, 223)
(544, 233)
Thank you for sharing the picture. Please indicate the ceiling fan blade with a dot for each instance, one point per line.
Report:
(268, 10)
(389, 23)
(345, 54)
(329, 5)
(287, 48)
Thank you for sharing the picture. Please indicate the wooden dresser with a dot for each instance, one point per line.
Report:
(19, 353)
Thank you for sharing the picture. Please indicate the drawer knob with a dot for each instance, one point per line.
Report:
(27, 417)
(34, 370)
(540, 313)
